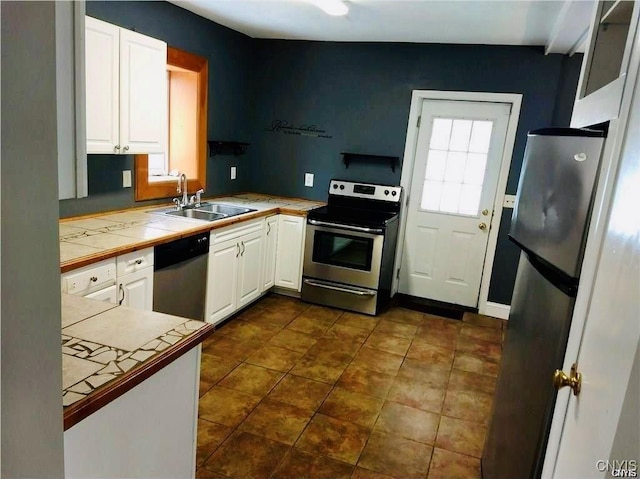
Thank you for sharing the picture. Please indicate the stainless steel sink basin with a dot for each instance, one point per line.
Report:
(196, 214)
(206, 211)
(227, 210)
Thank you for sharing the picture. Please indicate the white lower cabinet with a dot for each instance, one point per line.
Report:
(136, 289)
(234, 273)
(135, 279)
(222, 274)
(96, 281)
(127, 280)
(291, 233)
(270, 247)
(249, 268)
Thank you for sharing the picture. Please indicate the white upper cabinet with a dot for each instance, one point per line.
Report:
(606, 62)
(126, 90)
(70, 80)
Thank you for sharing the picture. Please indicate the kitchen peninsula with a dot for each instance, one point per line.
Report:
(130, 390)
(131, 375)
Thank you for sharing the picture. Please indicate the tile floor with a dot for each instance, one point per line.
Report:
(291, 390)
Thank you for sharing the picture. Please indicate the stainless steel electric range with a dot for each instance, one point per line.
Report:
(350, 247)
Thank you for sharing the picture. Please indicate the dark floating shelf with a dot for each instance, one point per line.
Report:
(349, 157)
(235, 148)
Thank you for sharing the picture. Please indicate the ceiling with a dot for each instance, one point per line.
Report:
(560, 26)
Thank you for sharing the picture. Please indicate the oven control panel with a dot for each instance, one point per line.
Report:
(365, 190)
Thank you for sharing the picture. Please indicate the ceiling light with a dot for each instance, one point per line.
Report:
(332, 7)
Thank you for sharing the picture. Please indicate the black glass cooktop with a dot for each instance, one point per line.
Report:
(352, 216)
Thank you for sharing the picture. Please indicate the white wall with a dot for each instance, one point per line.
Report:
(31, 407)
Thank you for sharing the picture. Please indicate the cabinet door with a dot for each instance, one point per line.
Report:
(102, 64)
(143, 97)
(291, 231)
(222, 278)
(136, 289)
(106, 294)
(270, 244)
(249, 269)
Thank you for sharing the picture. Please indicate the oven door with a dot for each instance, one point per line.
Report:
(343, 254)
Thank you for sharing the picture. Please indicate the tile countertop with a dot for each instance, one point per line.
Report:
(108, 349)
(90, 239)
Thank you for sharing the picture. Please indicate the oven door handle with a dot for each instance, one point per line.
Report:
(357, 292)
(363, 229)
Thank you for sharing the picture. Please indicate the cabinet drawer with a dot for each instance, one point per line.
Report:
(132, 262)
(90, 278)
(235, 231)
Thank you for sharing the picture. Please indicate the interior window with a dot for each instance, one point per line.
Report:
(156, 174)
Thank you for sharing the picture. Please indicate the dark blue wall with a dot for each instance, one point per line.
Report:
(230, 90)
(359, 94)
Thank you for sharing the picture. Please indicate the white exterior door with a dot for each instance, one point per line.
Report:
(457, 165)
(143, 93)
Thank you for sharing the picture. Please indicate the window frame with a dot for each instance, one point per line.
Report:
(146, 190)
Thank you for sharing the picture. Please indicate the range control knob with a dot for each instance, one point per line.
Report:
(394, 193)
(335, 187)
(386, 192)
(342, 187)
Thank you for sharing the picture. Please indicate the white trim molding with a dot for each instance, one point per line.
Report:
(417, 97)
(497, 310)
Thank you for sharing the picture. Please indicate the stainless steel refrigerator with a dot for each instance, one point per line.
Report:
(549, 224)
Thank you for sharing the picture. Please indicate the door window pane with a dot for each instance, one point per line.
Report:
(455, 167)
(456, 164)
(474, 171)
(436, 165)
(460, 133)
(440, 134)
(480, 136)
(431, 192)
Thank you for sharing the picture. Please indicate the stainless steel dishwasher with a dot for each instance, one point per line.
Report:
(180, 276)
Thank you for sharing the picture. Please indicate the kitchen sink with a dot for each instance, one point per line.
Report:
(206, 211)
(228, 210)
(196, 214)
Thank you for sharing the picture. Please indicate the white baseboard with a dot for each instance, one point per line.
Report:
(497, 310)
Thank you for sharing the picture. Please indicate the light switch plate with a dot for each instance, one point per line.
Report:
(126, 178)
(233, 172)
(308, 179)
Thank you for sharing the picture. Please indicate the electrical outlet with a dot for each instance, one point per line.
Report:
(233, 172)
(126, 178)
(308, 179)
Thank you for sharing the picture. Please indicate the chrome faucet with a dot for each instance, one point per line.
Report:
(182, 188)
(185, 198)
(196, 199)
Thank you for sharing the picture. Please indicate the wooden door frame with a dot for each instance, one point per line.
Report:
(417, 97)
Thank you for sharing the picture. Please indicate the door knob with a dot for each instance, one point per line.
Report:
(574, 380)
(482, 226)
(485, 212)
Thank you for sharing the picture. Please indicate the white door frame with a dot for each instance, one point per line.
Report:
(417, 97)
